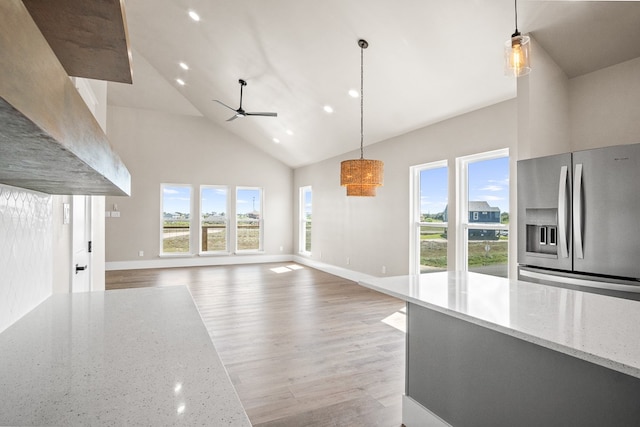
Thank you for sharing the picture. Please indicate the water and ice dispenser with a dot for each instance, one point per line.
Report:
(542, 231)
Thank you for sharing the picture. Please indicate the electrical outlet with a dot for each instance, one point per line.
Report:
(281, 248)
(384, 269)
(140, 253)
(348, 261)
(115, 214)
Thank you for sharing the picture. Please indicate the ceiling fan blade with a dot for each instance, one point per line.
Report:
(222, 103)
(262, 114)
(235, 116)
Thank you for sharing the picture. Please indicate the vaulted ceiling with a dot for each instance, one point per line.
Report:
(427, 60)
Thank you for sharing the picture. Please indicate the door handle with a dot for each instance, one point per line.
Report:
(80, 268)
(577, 210)
(562, 212)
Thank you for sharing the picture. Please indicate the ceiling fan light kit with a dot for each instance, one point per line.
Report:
(361, 176)
(517, 52)
(239, 112)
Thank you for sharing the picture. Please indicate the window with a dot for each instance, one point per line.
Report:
(176, 219)
(248, 219)
(305, 220)
(483, 200)
(429, 186)
(214, 219)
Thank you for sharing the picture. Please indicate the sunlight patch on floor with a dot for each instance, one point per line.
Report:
(288, 268)
(280, 270)
(397, 320)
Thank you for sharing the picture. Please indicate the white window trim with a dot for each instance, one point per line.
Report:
(192, 219)
(302, 234)
(226, 250)
(414, 209)
(260, 222)
(462, 206)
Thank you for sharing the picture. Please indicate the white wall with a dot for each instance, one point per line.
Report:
(26, 232)
(374, 232)
(160, 148)
(543, 108)
(605, 107)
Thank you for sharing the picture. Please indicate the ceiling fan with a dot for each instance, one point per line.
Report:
(240, 112)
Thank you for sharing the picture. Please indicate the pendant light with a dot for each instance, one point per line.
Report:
(516, 52)
(361, 176)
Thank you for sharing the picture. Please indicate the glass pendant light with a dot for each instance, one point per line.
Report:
(361, 176)
(517, 52)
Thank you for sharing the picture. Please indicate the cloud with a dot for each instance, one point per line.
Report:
(490, 198)
(170, 191)
(492, 188)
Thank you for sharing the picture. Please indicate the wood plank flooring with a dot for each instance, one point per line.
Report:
(302, 347)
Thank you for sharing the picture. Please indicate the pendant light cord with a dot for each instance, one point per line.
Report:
(516, 12)
(361, 102)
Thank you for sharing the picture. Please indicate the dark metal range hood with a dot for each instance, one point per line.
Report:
(49, 140)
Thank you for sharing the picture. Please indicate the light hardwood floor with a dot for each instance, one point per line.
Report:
(302, 347)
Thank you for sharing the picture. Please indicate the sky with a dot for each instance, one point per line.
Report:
(488, 181)
(214, 199)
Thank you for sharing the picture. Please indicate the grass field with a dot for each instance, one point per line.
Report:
(176, 239)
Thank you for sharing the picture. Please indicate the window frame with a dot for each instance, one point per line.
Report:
(303, 220)
(260, 221)
(463, 224)
(225, 251)
(415, 214)
(192, 218)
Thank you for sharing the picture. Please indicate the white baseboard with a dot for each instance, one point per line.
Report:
(332, 269)
(416, 415)
(195, 261)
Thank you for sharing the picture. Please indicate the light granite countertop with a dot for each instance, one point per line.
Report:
(122, 357)
(596, 328)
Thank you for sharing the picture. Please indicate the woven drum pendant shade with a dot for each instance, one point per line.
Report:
(361, 176)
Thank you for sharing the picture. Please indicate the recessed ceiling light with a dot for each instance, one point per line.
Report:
(193, 15)
(353, 93)
(276, 140)
(184, 66)
(328, 109)
(289, 132)
(180, 82)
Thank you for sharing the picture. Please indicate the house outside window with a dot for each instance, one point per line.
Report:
(483, 200)
(249, 219)
(429, 189)
(214, 219)
(175, 221)
(305, 220)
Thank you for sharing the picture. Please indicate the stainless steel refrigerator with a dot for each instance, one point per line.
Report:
(579, 220)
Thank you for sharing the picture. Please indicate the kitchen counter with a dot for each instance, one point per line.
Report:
(123, 357)
(599, 329)
(484, 350)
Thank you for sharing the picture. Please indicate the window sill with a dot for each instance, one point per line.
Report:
(176, 255)
(214, 254)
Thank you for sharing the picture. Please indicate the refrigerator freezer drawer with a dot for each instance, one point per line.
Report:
(617, 288)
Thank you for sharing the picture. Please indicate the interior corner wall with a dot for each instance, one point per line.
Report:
(363, 233)
(160, 147)
(26, 256)
(543, 108)
(605, 107)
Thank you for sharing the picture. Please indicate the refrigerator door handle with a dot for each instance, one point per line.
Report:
(562, 212)
(577, 210)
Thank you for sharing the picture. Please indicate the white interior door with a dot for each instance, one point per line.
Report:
(80, 247)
